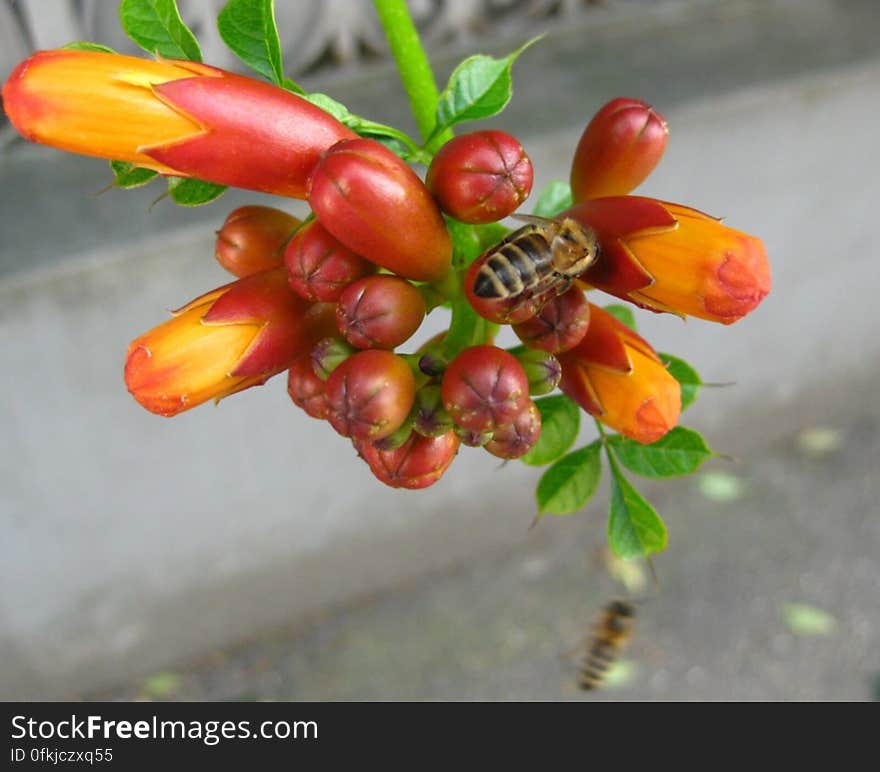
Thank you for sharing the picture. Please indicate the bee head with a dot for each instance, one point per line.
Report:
(574, 247)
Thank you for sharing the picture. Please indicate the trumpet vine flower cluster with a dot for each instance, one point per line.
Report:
(334, 298)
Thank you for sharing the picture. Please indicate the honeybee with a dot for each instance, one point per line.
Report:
(541, 258)
(612, 633)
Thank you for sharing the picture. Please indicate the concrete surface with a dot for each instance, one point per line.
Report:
(133, 544)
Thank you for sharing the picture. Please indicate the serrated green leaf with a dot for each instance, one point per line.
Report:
(85, 45)
(191, 192)
(156, 26)
(248, 28)
(130, 176)
(803, 619)
(686, 375)
(479, 87)
(623, 314)
(679, 452)
(634, 527)
(554, 198)
(570, 483)
(560, 421)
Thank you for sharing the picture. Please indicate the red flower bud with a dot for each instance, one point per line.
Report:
(306, 389)
(377, 206)
(379, 312)
(669, 257)
(484, 387)
(227, 340)
(320, 267)
(252, 239)
(618, 150)
(518, 437)
(480, 177)
(370, 394)
(560, 325)
(176, 117)
(617, 377)
(418, 463)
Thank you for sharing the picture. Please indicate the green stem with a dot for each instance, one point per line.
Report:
(412, 62)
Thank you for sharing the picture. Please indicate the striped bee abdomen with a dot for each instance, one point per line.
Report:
(520, 263)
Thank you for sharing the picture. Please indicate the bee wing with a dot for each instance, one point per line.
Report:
(534, 219)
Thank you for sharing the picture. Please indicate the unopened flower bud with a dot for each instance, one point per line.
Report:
(542, 370)
(320, 267)
(518, 437)
(430, 418)
(328, 354)
(418, 463)
(620, 147)
(306, 390)
(252, 239)
(484, 387)
(379, 311)
(370, 394)
(560, 325)
(480, 177)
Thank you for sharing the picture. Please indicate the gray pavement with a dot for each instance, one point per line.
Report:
(219, 556)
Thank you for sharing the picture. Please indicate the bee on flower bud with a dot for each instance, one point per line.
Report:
(513, 280)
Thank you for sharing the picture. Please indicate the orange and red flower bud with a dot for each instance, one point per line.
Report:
(620, 147)
(617, 377)
(378, 207)
(306, 389)
(177, 117)
(321, 267)
(252, 239)
(379, 312)
(560, 325)
(484, 387)
(518, 437)
(418, 463)
(227, 340)
(669, 257)
(480, 177)
(370, 394)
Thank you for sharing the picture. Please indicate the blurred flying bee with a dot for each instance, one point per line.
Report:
(613, 630)
(542, 259)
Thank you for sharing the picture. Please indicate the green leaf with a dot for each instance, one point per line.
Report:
(686, 375)
(679, 452)
(130, 176)
(85, 45)
(554, 198)
(479, 87)
(634, 527)
(570, 483)
(622, 314)
(191, 192)
(560, 421)
(292, 85)
(156, 26)
(803, 619)
(248, 28)
(329, 105)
